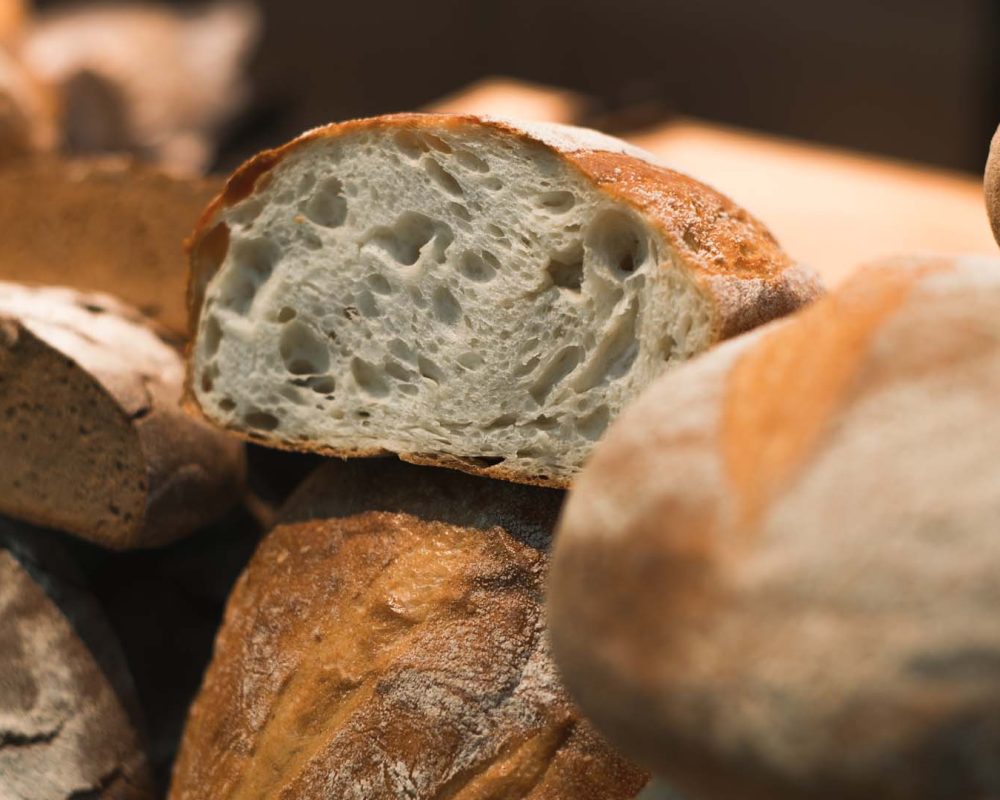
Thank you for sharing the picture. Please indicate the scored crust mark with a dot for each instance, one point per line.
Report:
(424, 625)
(515, 276)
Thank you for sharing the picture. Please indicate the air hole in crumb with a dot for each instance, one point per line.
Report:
(430, 370)
(527, 367)
(471, 161)
(409, 235)
(617, 243)
(471, 360)
(410, 143)
(328, 206)
(561, 365)
(437, 143)
(566, 269)
(286, 314)
(322, 384)
(261, 420)
(492, 183)
(207, 380)
(475, 267)
(397, 370)
(443, 178)
(460, 211)
(379, 284)
(367, 305)
(503, 421)
(484, 462)
(446, 307)
(93, 308)
(557, 202)
(369, 378)
(227, 404)
(402, 350)
(594, 423)
(211, 337)
(408, 388)
(303, 350)
(495, 231)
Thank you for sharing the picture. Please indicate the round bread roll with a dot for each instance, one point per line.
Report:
(388, 640)
(992, 185)
(92, 438)
(67, 709)
(777, 577)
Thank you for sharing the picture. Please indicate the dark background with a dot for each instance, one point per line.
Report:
(917, 79)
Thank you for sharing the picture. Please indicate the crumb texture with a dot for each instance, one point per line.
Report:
(454, 291)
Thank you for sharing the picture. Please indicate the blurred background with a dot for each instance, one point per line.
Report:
(914, 79)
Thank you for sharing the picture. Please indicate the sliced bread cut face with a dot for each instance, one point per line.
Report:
(463, 292)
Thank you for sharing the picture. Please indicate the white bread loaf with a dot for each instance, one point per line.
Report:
(778, 575)
(463, 291)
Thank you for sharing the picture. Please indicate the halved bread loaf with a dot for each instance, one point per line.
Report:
(92, 438)
(777, 576)
(388, 641)
(462, 291)
(991, 184)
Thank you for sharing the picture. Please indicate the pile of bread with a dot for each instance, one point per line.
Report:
(668, 507)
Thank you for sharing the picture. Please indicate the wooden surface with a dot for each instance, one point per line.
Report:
(833, 210)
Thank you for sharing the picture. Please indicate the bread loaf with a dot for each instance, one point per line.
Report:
(992, 185)
(27, 110)
(777, 577)
(462, 291)
(65, 729)
(108, 224)
(386, 641)
(92, 439)
(144, 77)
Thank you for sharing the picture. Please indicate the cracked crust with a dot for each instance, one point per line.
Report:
(92, 439)
(732, 259)
(64, 729)
(388, 640)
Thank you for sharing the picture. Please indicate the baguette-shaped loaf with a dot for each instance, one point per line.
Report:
(101, 224)
(463, 291)
(92, 438)
(65, 728)
(388, 640)
(777, 577)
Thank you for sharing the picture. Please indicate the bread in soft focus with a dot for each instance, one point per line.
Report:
(105, 224)
(388, 640)
(992, 185)
(67, 729)
(463, 291)
(146, 78)
(777, 576)
(28, 111)
(92, 438)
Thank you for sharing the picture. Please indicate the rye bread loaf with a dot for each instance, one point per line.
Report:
(386, 641)
(109, 224)
(66, 731)
(777, 577)
(992, 185)
(463, 291)
(92, 438)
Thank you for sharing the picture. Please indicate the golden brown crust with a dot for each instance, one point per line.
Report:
(109, 455)
(991, 185)
(388, 640)
(716, 239)
(776, 576)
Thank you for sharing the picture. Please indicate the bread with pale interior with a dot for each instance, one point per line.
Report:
(464, 291)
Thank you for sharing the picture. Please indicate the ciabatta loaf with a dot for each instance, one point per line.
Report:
(388, 641)
(92, 438)
(463, 291)
(777, 576)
